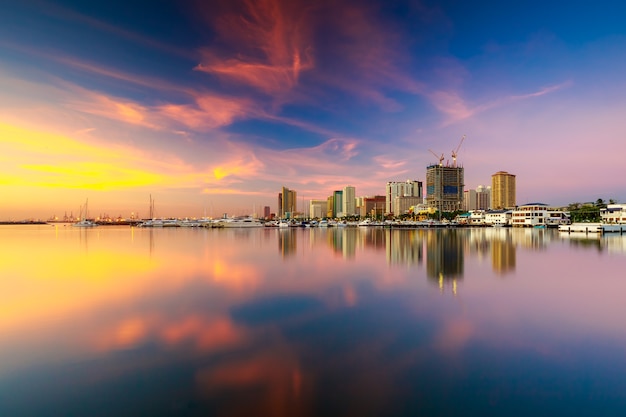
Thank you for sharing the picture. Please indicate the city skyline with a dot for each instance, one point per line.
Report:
(212, 107)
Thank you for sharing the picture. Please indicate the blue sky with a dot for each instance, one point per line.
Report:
(219, 104)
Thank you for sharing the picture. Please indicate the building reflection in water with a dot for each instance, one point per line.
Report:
(343, 240)
(287, 241)
(532, 238)
(503, 253)
(445, 258)
(374, 237)
(404, 247)
(443, 249)
(349, 241)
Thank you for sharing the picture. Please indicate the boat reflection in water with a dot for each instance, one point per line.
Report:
(310, 321)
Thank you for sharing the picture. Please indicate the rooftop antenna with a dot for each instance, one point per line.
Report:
(456, 151)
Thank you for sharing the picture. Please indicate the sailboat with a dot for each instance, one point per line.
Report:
(84, 222)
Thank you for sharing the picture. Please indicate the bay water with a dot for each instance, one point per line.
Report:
(121, 321)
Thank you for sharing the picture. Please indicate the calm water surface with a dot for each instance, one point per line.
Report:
(310, 322)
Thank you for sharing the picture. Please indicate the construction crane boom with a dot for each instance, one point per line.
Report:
(440, 157)
(456, 151)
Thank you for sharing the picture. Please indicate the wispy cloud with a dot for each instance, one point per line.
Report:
(203, 112)
(271, 38)
(455, 108)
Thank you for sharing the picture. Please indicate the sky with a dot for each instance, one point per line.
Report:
(210, 107)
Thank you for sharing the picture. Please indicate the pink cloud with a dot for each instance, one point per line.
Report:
(209, 112)
(452, 104)
(273, 41)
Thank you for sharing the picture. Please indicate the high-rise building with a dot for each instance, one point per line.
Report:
(317, 209)
(502, 190)
(373, 206)
(330, 206)
(469, 200)
(408, 188)
(338, 203)
(349, 201)
(478, 199)
(444, 187)
(287, 200)
(402, 205)
(483, 198)
(266, 212)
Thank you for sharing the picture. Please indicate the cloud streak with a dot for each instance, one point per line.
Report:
(272, 40)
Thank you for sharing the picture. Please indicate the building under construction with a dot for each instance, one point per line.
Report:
(444, 187)
(444, 184)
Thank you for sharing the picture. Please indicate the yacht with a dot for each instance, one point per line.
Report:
(85, 223)
(241, 222)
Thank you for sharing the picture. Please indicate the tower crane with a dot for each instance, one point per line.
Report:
(440, 157)
(456, 151)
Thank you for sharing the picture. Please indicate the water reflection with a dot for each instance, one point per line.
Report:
(343, 321)
(287, 242)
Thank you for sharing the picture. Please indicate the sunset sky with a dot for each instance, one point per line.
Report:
(213, 106)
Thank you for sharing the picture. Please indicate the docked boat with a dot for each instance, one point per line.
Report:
(151, 223)
(85, 222)
(241, 222)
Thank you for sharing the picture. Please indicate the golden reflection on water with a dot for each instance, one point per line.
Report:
(68, 294)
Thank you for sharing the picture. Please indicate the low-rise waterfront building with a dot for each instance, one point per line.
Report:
(476, 217)
(530, 215)
(614, 213)
(557, 217)
(538, 214)
(498, 217)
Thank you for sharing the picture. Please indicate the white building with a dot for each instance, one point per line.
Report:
(408, 188)
(530, 215)
(477, 217)
(614, 213)
(318, 209)
(498, 217)
(556, 218)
